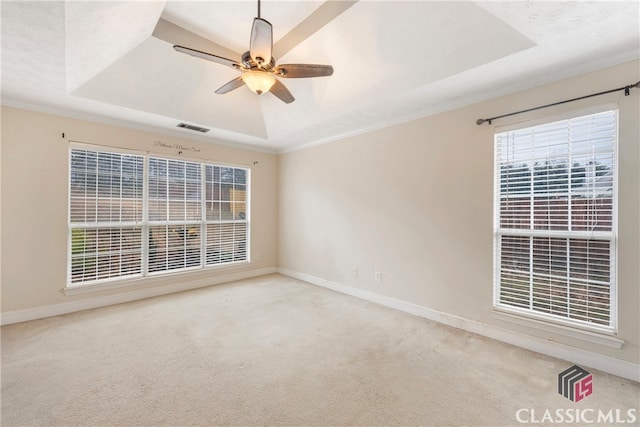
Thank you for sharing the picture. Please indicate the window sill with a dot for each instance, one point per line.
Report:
(600, 338)
(135, 281)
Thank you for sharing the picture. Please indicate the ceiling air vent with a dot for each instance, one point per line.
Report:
(192, 127)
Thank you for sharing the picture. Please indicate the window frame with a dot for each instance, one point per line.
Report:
(528, 314)
(146, 223)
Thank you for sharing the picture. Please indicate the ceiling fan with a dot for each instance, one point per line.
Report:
(258, 67)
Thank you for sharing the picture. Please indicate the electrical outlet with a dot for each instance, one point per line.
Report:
(258, 257)
(354, 272)
(377, 276)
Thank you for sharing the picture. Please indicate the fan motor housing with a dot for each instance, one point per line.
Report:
(248, 62)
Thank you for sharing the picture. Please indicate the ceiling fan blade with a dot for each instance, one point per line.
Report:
(208, 56)
(229, 86)
(281, 91)
(176, 35)
(298, 71)
(261, 41)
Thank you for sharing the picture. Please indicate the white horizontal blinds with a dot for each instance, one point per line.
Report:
(102, 253)
(590, 280)
(552, 171)
(226, 214)
(555, 218)
(123, 207)
(105, 187)
(175, 211)
(563, 277)
(515, 271)
(105, 210)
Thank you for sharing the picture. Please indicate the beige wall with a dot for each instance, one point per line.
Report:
(415, 202)
(34, 202)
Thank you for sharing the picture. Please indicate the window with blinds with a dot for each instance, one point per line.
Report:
(555, 220)
(226, 211)
(105, 213)
(175, 214)
(134, 215)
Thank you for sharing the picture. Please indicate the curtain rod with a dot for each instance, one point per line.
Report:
(625, 88)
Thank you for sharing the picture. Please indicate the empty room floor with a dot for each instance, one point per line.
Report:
(275, 351)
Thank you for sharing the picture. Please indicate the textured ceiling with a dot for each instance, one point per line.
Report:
(394, 61)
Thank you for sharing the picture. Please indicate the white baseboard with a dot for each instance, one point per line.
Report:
(17, 316)
(550, 348)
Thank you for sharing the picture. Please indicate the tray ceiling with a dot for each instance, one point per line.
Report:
(393, 60)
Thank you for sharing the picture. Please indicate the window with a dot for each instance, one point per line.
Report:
(175, 214)
(555, 221)
(105, 211)
(133, 215)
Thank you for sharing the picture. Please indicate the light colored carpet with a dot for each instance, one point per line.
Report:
(273, 351)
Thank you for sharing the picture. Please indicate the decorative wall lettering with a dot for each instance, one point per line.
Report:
(178, 147)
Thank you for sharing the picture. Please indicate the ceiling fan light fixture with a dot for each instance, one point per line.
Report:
(259, 81)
